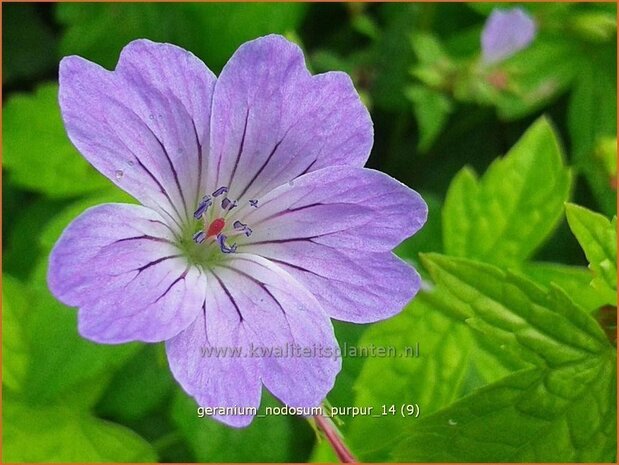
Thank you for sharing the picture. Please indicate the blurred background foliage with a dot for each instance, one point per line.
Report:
(503, 329)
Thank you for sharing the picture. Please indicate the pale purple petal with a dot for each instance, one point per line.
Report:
(146, 125)
(119, 265)
(273, 121)
(340, 207)
(333, 230)
(217, 378)
(350, 285)
(505, 33)
(250, 301)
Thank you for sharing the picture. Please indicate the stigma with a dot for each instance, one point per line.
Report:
(215, 227)
(208, 208)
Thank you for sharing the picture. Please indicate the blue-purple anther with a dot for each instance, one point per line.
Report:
(220, 191)
(199, 237)
(221, 240)
(202, 207)
(253, 203)
(241, 227)
(228, 204)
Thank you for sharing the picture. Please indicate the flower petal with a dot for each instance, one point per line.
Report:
(119, 265)
(273, 121)
(341, 207)
(350, 286)
(145, 125)
(200, 361)
(505, 33)
(256, 307)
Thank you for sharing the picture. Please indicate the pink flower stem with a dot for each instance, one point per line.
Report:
(335, 440)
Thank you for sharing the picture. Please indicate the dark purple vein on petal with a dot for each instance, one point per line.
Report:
(143, 237)
(240, 152)
(180, 278)
(151, 175)
(262, 286)
(163, 191)
(199, 147)
(225, 289)
(156, 262)
(172, 168)
(264, 165)
(290, 210)
(165, 225)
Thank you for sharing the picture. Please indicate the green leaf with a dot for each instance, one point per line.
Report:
(22, 248)
(543, 326)
(212, 31)
(535, 77)
(432, 110)
(267, 439)
(61, 364)
(563, 415)
(574, 280)
(37, 151)
(592, 117)
(138, 387)
(505, 216)
(14, 342)
(598, 238)
(61, 434)
(392, 58)
(562, 409)
(451, 363)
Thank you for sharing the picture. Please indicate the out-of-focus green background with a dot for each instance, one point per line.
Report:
(517, 349)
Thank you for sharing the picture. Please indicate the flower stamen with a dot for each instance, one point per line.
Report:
(220, 191)
(202, 207)
(221, 240)
(215, 228)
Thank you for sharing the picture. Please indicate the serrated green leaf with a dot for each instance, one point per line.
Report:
(505, 216)
(61, 434)
(451, 363)
(562, 409)
(37, 151)
(563, 415)
(598, 238)
(267, 439)
(574, 280)
(543, 326)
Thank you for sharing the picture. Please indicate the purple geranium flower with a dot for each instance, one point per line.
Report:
(505, 33)
(258, 221)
